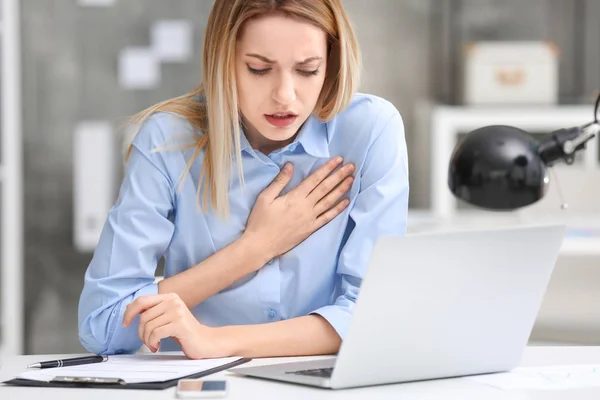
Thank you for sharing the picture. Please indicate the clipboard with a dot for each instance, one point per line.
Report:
(116, 383)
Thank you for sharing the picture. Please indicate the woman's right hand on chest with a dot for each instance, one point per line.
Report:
(279, 223)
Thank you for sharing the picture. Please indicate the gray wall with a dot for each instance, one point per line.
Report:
(70, 74)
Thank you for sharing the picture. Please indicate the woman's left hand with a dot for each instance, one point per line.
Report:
(166, 315)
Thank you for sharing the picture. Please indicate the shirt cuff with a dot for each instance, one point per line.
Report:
(126, 340)
(338, 317)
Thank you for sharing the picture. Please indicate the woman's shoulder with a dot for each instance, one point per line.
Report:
(164, 129)
(365, 117)
(364, 105)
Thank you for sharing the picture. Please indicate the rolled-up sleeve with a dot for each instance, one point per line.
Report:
(135, 236)
(380, 209)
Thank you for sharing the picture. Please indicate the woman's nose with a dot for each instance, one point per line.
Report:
(285, 91)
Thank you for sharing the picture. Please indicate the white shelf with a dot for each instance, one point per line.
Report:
(420, 221)
(448, 122)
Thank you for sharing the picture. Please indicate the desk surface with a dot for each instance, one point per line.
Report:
(251, 388)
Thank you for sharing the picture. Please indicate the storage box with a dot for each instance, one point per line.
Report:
(510, 73)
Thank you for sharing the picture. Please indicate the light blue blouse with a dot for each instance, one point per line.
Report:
(322, 275)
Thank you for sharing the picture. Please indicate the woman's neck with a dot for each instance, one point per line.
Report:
(267, 146)
(263, 144)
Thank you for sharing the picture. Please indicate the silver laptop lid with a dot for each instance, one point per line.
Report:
(447, 304)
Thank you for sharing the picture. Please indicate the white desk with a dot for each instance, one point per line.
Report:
(251, 388)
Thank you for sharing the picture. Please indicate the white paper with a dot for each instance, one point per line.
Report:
(543, 378)
(172, 40)
(133, 368)
(583, 232)
(138, 68)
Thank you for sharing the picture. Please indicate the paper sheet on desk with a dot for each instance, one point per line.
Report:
(133, 368)
(583, 232)
(544, 378)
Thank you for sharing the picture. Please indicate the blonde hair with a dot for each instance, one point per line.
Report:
(217, 115)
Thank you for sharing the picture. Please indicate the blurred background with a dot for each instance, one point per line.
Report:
(73, 70)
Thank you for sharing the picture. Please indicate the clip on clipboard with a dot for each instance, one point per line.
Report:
(114, 382)
(87, 379)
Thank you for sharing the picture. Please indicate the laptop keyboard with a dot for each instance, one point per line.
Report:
(319, 372)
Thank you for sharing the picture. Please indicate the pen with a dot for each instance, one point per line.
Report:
(67, 362)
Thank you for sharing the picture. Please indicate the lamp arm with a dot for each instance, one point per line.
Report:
(563, 143)
(587, 133)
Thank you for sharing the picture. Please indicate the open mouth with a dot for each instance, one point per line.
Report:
(281, 119)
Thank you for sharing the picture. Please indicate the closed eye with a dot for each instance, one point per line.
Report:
(258, 71)
(309, 73)
(300, 71)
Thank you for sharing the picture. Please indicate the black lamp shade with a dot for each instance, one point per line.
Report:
(498, 168)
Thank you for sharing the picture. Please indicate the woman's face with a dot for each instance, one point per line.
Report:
(280, 68)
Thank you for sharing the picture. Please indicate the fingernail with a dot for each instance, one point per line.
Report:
(339, 160)
(286, 168)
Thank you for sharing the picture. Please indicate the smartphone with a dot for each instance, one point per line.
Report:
(201, 389)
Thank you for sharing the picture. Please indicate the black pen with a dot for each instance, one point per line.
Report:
(67, 362)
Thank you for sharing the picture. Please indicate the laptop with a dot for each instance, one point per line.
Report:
(438, 305)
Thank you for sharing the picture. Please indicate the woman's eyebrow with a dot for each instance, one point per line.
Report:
(265, 59)
(308, 60)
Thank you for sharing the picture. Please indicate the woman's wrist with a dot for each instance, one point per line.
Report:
(225, 341)
(255, 248)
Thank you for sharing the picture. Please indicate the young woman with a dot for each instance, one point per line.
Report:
(265, 189)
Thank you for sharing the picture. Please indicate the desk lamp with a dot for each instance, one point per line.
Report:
(503, 168)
